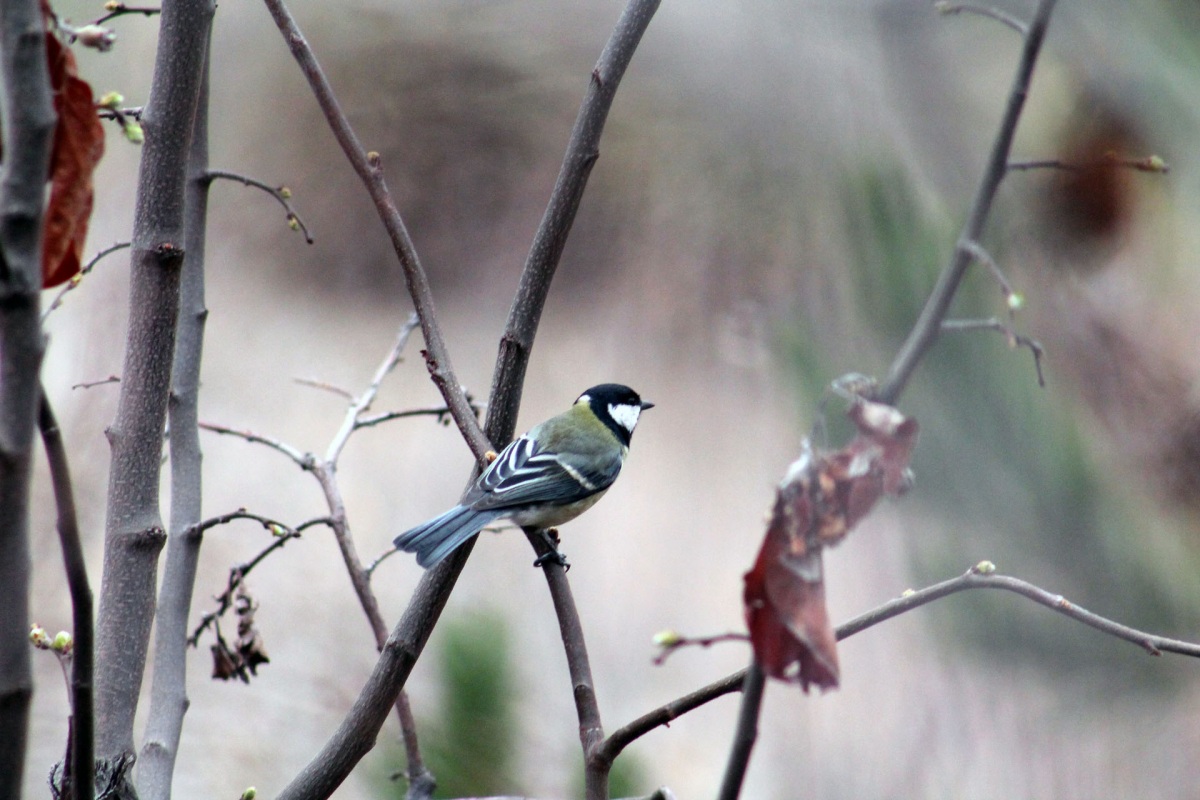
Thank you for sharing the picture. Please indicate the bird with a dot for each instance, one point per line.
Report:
(549, 476)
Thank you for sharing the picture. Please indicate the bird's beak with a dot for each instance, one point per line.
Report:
(647, 404)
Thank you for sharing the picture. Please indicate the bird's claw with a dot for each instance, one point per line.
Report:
(550, 537)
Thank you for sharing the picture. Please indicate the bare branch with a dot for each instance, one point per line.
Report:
(442, 413)
(282, 533)
(363, 402)
(281, 194)
(28, 119)
(981, 576)
(983, 11)
(1012, 299)
(672, 641)
(94, 384)
(134, 530)
(1014, 339)
(117, 9)
(74, 282)
(325, 386)
(745, 734)
(664, 715)
(82, 766)
(928, 325)
(1147, 164)
(369, 169)
(583, 150)
(303, 460)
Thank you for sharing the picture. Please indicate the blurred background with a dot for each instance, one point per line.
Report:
(779, 184)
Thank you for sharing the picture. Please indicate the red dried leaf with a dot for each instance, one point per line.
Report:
(78, 146)
(822, 497)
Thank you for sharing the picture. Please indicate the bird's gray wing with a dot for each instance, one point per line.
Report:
(521, 475)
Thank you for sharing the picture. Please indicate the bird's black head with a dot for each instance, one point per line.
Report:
(617, 406)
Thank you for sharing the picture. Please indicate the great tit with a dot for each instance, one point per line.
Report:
(548, 476)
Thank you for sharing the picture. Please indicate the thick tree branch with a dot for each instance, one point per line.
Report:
(81, 770)
(583, 149)
(929, 324)
(26, 128)
(134, 533)
(168, 691)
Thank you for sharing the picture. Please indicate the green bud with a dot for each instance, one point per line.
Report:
(1016, 301)
(984, 568)
(907, 593)
(133, 132)
(1156, 164)
(38, 637)
(111, 100)
(285, 193)
(62, 642)
(667, 638)
(250, 793)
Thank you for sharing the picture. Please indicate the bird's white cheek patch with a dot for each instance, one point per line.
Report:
(625, 415)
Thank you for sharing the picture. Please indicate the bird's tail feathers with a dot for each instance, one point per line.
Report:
(434, 540)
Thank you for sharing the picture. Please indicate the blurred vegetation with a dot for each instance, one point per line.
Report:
(1005, 464)
(470, 745)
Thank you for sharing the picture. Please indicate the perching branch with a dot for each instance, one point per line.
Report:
(281, 194)
(745, 734)
(356, 734)
(929, 323)
(370, 171)
(79, 775)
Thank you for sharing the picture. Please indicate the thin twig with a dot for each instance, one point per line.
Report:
(363, 402)
(82, 766)
(325, 386)
(1147, 164)
(74, 282)
(1014, 339)
(281, 194)
(442, 413)
(983, 11)
(369, 168)
(303, 460)
(928, 325)
(675, 642)
(1012, 300)
(93, 384)
(120, 9)
(283, 534)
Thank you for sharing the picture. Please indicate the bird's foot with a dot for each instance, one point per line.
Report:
(550, 537)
